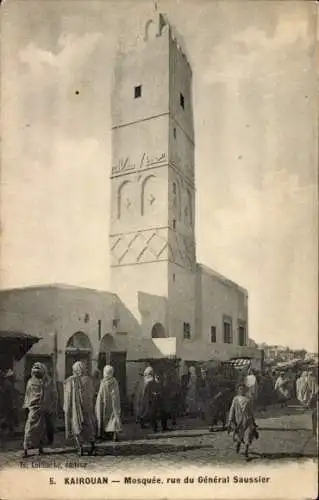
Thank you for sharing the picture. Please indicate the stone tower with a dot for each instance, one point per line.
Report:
(152, 236)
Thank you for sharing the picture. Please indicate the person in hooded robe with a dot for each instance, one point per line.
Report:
(78, 408)
(96, 380)
(34, 404)
(150, 401)
(50, 405)
(302, 388)
(108, 405)
(10, 402)
(192, 405)
(241, 420)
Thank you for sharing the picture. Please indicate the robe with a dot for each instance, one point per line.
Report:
(78, 408)
(192, 405)
(282, 387)
(108, 407)
(242, 419)
(150, 400)
(34, 402)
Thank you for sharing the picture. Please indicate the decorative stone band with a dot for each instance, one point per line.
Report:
(152, 246)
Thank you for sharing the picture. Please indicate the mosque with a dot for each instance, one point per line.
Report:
(162, 303)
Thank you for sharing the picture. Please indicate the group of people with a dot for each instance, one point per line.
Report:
(92, 406)
(87, 415)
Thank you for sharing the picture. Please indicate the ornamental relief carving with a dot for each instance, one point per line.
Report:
(137, 196)
(151, 246)
(145, 161)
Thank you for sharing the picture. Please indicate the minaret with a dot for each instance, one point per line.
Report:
(152, 236)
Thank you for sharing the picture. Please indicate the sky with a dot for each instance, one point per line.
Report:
(255, 103)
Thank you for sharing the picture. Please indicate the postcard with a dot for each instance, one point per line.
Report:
(159, 249)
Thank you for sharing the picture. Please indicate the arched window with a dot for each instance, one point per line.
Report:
(107, 343)
(158, 331)
(125, 199)
(79, 341)
(150, 30)
(148, 195)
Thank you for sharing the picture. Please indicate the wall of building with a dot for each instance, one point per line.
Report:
(46, 311)
(182, 300)
(221, 298)
(147, 66)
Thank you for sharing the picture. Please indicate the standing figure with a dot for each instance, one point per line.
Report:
(150, 401)
(251, 385)
(96, 381)
(222, 391)
(303, 391)
(241, 420)
(137, 394)
(78, 408)
(34, 403)
(191, 396)
(9, 402)
(108, 405)
(50, 405)
(184, 379)
(204, 394)
(282, 386)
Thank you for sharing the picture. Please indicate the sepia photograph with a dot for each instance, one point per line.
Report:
(159, 249)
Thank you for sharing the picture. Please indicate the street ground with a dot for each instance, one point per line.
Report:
(285, 434)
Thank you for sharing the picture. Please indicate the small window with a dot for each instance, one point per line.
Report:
(182, 100)
(174, 277)
(174, 224)
(86, 318)
(228, 334)
(137, 91)
(213, 334)
(174, 132)
(242, 335)
(187, 331)
(174, 187)
(116, 323)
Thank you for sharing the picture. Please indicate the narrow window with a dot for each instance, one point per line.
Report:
(174, 224)
(137, 91)
(182, 100)
(242, 335)
(228, 335)
(213, 334)
(187, 331)
(174, 132)
(116, 323)
(174, 277)
(174, 187)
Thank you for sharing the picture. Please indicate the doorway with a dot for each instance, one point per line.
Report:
(78, 348)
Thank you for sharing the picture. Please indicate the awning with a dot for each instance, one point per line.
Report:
(16, 344)
(240, 362)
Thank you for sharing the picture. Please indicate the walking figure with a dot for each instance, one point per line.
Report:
(108, 405)
(241, 420)
(78, 408)
(35, 406)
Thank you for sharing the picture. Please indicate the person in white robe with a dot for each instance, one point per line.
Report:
(78, 408)
(108, 405)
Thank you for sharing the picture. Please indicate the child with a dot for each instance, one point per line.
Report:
(241, 419)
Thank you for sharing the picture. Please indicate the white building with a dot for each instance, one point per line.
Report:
(163, 303)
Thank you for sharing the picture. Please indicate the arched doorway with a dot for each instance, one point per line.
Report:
(109, 354)
(158, 331)
(78, 348)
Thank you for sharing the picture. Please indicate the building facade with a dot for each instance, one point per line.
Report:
(162, 302)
